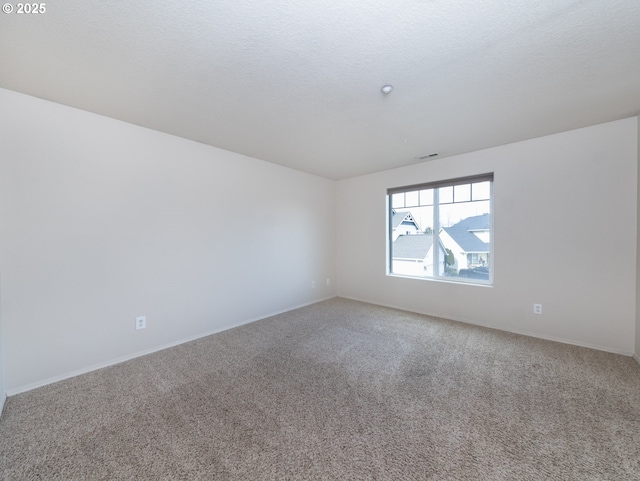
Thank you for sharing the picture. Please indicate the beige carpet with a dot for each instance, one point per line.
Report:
(337, 390)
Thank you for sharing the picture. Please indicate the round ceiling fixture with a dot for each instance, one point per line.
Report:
(386, 89)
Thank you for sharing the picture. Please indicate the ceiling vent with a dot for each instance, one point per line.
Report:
(428, 156)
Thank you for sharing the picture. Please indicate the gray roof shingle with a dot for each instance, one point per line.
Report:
(412, 246)
(461, 233)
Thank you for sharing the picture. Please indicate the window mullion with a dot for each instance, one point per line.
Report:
(436, 233)
(390, 234)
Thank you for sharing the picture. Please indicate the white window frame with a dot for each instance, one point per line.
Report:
(436, 222)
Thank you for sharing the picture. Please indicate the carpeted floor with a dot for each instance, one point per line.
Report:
(338, 390)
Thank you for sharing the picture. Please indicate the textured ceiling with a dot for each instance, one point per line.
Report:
(298, 83)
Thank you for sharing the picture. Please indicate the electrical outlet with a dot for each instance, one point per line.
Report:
(313, 284)
(328, 281)
(141, 322)
(537, 308)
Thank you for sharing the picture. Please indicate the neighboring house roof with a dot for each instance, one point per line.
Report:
(462, 233)
(412, 246)
(400, 217)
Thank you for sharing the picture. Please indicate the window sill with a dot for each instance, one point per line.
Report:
(445, 280)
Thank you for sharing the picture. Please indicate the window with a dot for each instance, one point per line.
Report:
(442, 230)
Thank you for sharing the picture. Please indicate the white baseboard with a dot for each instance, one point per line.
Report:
(636, 357)
(128, 357)
(513, 331)
(3, 398)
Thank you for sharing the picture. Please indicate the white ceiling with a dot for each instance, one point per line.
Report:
(298, 82)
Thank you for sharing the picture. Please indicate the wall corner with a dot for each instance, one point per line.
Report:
(637, 326)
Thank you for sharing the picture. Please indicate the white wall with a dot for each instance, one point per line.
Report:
(637, 346)
(564, 236)
(104, 221)
(2, 381)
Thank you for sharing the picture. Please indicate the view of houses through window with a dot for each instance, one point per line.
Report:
(442, 229)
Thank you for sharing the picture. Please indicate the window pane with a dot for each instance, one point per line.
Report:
(411, 199)
(446, 194)
(397, 200)
(412, 242)
(426, 197)
(481, 191)
(462, 193)
(465, 240)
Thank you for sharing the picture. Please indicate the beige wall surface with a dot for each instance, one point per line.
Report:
(103, 221)
(565, 217)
